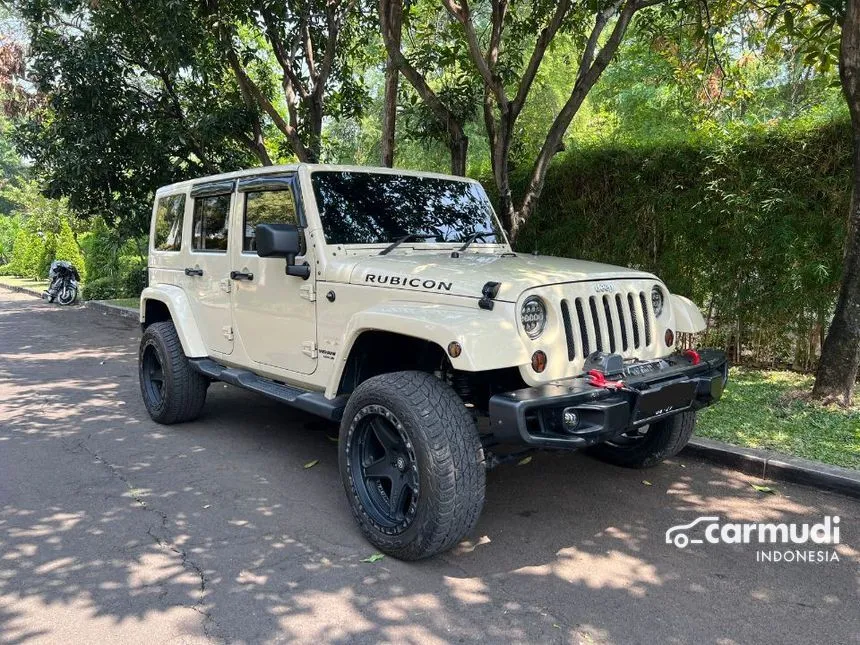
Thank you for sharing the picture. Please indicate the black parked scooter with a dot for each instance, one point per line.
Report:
(64, 279)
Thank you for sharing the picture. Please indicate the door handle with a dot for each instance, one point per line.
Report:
(190, 271)
(238, 275)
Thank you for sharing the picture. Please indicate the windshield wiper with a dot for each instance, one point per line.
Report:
(405, 238)
(474, 236)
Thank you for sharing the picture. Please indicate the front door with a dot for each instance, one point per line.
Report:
(207, 278)
(274, 314)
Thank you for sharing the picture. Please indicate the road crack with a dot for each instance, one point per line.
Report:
(187, 563)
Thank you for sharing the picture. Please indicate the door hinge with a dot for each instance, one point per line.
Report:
(228, 332)
(307, 292)
(309, 349)
(225, 285)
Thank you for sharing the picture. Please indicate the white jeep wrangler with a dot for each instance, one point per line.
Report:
(392, 303)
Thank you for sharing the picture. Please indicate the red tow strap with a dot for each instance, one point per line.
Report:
(598, 379)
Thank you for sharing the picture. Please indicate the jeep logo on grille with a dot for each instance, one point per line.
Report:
(602, 287)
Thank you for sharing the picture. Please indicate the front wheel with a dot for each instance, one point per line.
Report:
(68, 294)
(649, 445)
(412, 464)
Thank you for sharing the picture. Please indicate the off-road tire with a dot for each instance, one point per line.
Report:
(664, 439)
(184, 390)
(448, 456)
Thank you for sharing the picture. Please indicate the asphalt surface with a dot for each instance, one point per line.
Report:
(113, 528)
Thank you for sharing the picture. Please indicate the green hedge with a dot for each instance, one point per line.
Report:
(751, 227)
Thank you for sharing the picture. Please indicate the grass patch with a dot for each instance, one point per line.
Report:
(128, 303)
(23, 282)
(760, 410)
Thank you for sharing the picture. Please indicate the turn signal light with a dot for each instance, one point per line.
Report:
(670, 338)
(538, 361)
(454, 349)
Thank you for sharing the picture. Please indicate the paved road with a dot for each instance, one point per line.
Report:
(114, 528)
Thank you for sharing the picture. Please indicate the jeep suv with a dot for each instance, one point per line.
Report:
(391, 303)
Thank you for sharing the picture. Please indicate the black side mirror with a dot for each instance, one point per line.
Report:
(282, 241)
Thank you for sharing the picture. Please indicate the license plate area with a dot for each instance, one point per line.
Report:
(661, 401)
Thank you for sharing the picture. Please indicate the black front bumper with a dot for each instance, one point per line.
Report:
(534, 415)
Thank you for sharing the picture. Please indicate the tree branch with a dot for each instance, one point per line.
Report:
(543, 41)
(416, 79)
(461, 13)
(589, 73)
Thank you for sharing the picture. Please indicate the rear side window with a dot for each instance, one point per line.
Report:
(168, 223)
(266, 207)
(209, 224)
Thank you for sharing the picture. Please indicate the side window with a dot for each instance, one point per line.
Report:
(209, 224)
(168, 223)
(266, 207)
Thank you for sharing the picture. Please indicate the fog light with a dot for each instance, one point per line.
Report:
(670, 338)
(454, 349)
(569, 418)
(538, 361)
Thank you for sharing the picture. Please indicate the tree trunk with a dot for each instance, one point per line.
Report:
(392, 78)
(459, 147)
(840, 355)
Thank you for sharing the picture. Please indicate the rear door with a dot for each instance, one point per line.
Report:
(274, 314)
(207, 276)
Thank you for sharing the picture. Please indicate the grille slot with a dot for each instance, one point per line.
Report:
(583, 330)
(646, 317)
(622, 325)
(598, 337)
(568, 330)
(608, 311)
(634, 317)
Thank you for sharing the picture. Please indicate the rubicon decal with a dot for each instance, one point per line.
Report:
(404, 281)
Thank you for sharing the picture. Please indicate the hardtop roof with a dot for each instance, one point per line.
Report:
(274, 170)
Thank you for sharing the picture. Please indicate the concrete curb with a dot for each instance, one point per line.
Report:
(776, 466)
(112, 310)
(18, 289)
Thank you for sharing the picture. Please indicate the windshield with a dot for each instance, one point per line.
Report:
(372, 208)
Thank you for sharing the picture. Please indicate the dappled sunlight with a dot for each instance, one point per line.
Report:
(613, 570)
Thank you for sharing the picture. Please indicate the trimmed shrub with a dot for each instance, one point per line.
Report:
(106, 288)
(749, 226)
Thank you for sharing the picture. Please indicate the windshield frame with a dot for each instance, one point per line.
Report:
(500, 244)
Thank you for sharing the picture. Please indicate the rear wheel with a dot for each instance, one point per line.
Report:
(412, 464)
(172, 391)
(649, 445)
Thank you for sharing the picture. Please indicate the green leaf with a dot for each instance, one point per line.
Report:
(647, 483)
(763, 489)
(311, 464)
(524, 461)
(332, 439)
(376, 557)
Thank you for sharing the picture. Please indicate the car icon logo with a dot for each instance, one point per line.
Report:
(678, 536)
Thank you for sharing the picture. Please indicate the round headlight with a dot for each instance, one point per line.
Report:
(533, 316)
(657, 300)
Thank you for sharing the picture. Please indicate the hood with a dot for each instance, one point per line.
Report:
(467, 274)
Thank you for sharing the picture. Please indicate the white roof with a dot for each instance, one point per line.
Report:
(274, 170)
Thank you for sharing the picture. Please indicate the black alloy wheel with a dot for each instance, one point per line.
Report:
(384, 469)
(152, 377)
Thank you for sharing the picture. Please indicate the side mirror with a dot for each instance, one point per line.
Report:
(282, 241)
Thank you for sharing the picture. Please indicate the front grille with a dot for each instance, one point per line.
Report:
(605, 324)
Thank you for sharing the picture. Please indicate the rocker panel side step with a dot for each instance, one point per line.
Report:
(307, 400)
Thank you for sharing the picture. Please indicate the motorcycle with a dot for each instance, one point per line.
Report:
(64, 278)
